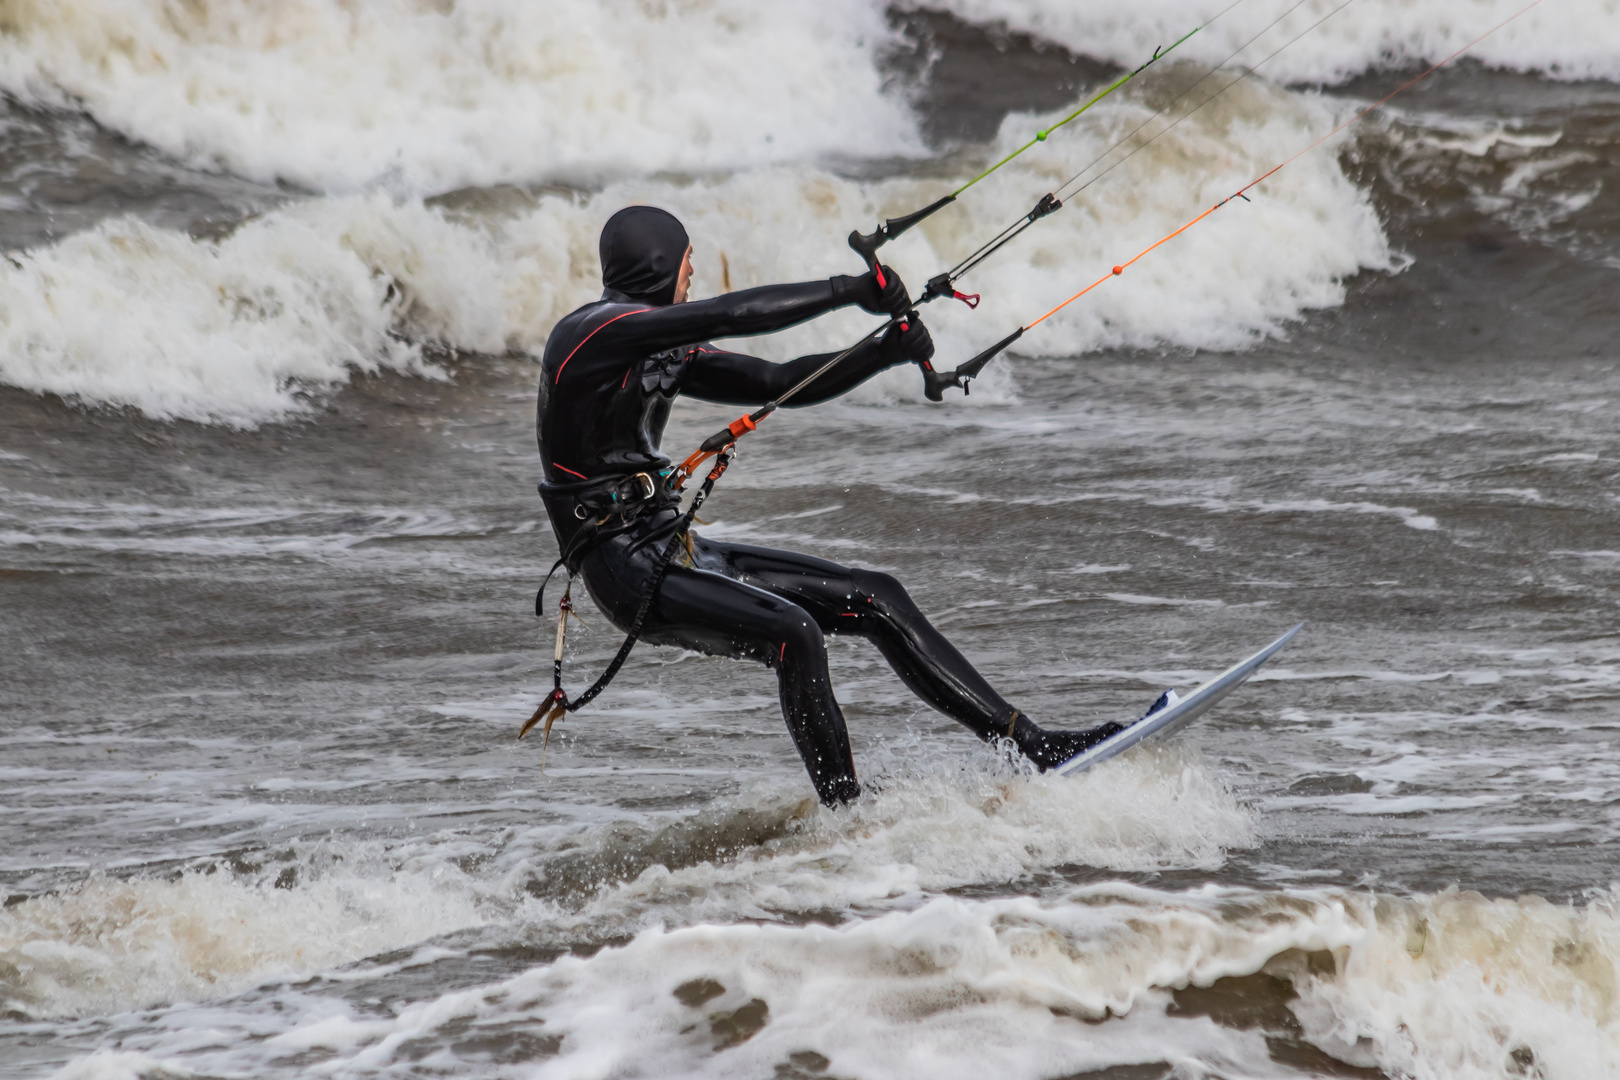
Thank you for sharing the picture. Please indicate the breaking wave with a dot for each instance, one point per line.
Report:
(242, 328)
(735, 115)
(425, 96)
(221, 927)
(1572, 39)
(716, 960)
(1450, 985)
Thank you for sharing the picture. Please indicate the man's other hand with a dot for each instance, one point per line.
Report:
(913, 344)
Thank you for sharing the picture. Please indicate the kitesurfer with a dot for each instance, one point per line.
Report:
(612, 370)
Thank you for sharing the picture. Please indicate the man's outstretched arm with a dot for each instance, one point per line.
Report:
(761, 310)
(738, 379)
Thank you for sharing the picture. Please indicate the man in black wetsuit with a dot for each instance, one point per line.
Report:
(611, 372)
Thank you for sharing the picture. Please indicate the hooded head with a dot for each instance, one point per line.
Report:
(642, 249)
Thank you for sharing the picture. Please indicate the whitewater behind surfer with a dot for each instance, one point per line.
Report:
(610, 373)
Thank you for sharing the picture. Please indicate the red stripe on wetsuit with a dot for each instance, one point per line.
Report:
(588, 337)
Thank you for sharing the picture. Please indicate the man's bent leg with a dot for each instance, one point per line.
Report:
(720, 616)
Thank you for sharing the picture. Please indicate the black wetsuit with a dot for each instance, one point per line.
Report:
(611, 371)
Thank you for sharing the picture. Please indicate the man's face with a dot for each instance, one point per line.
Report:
(684, 283)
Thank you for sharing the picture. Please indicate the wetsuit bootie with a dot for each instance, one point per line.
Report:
(1049, 749)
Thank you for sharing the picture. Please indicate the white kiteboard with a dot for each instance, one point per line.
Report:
(1179, 713)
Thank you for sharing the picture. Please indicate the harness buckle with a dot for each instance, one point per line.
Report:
(649, 487)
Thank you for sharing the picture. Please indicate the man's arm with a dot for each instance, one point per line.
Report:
(760, 310)
(738, 379)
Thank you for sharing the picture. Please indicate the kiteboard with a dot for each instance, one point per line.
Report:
(1177, 713)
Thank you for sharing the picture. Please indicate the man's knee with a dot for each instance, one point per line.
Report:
(883, 590)
(798, 633)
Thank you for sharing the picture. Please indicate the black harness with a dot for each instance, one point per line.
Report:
(627, 499)
(609, 506)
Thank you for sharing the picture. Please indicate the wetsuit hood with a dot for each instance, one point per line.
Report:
(642, 249)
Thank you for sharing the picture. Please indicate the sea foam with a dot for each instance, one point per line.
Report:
(427, 96)
(1433, 987)
(1570, 39)
(719, 964)
(941, 823)
(110, 945)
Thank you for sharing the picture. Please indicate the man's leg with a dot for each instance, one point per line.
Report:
(720, 616)
(877, 607)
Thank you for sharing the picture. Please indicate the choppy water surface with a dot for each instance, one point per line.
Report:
(268, 545)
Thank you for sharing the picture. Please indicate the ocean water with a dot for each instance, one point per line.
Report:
(274, 281)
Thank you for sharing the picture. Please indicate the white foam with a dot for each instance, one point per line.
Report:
(120, 1065)
(1453, 985)
(1160, 601)
(1127, 493)
(1238, 275)
(423, 97)
(110, 944)
(1571, 39)
(934, 823)
(1436, 988)
(234, 330)
(938, 823)
(1445, 986)
(430, 96)
(943, 991)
